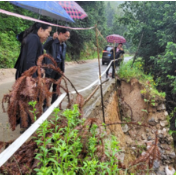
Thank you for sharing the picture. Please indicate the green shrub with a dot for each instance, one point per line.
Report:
(127, 72)
(64, 156)
(9, 49)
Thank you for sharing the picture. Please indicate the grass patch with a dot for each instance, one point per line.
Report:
(127, 55)
(83, 57)
(91, 56)
(128, 72)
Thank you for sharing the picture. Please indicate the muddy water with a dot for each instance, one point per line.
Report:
(81, 75)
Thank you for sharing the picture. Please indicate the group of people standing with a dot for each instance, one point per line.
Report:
(32, 47)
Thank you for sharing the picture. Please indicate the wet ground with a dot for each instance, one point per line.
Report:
(81, 75)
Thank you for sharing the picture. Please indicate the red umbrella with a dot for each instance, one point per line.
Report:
(73, 9)
(114, 38)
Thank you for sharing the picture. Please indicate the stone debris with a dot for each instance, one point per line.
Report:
(161, 107)
(167, 153)
(157, 120)
(143, 137)
(120, 156)
(165, 113)
(132, 134)
(156, 165)
(152, 121)
(149, 138)
(164, 123)
(125, 128)
(169, 170)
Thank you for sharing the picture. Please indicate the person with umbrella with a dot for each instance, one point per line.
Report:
(118, 51)
(56, 47)
(114, 38)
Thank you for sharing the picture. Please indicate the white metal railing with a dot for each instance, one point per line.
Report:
(7, 153)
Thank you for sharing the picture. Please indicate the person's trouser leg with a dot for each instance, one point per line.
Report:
(55, 96)
(55, 76)
(44, 103)
(107, 72)
(113, 70)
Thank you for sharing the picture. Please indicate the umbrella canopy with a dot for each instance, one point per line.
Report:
(73, 9)
(48, 8)
(114, 38)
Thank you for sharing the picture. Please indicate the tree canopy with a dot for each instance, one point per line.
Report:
(151, 26)
(80, 43)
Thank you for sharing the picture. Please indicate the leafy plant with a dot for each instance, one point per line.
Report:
(128, 72)
(144, 110)
(33, 104)
(60, 149)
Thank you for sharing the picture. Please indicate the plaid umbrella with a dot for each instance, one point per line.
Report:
(114, 38)
(73, 9)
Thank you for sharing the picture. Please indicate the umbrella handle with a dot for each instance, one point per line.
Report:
(57, 27)
(39, 14)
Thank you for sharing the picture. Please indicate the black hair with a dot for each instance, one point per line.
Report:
(63, 30)
(33, 29)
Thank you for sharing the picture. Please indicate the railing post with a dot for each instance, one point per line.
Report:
(114, 52)
(101, 90)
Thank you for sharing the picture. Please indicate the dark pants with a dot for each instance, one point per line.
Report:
(113, 65)
(54, 96)
(20, 122)
(54, 75)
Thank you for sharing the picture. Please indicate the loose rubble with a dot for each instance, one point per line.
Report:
(144, 136)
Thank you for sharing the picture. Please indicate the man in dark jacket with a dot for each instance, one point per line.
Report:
(119, 50)
(56, 47)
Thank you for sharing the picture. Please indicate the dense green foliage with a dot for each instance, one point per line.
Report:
(151, 27)
(9, 28)
(128, 72)
(61, 152)
(155, 20)
(113, 12)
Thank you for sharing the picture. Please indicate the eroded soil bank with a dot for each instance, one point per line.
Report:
(144, 136)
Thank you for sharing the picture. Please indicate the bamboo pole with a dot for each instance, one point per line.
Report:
(90, 96)
(115, 88)
(114, 52)
(101, 90)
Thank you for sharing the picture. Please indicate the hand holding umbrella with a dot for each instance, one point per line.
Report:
(55, 35)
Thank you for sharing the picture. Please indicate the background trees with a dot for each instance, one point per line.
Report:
(81, 44)
(156, 22)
